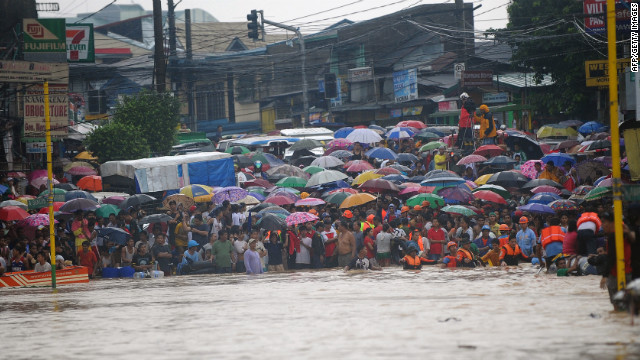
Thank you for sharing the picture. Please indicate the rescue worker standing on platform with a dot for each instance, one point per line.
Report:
(465, 125)
(487, 126)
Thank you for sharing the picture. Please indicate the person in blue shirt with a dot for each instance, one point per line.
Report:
(483, 242)
(526, 237)
(252, 259)
(192, 253)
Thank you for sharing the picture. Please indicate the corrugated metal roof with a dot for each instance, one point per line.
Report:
(522, 80)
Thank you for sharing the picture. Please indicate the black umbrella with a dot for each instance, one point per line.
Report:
(305, 144)
(539, 182)
(530, 147)
(155, 218)
(136, 200)
(342, 154)
(114, 234)
(406, 157)
(427, 136)
(508, 179)
(262, 206)
(305, 160)
(589, 169)
(277, 177)
(242, 161)
(79, 194)
(301, 152)
(272, 222)
(401, 168)
(65, 186)
(599, 145)
(500, 160)
(79, 205)
(236, 150)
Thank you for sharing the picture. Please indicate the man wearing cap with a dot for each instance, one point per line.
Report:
(483, 242)
(493, 223)
(252, 259)
(525, 237)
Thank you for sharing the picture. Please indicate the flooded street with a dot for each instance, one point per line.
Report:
(482, 313)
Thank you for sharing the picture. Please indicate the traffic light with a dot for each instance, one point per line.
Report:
(253, 24)
(330, 86)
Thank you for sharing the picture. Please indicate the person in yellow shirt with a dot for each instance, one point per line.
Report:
(441, 159)
(487, 126)
(492, 257)
(550, 172)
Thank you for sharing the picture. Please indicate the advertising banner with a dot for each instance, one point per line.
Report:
(32, 72)
(405, 85)
(34, 125)
(44, 35)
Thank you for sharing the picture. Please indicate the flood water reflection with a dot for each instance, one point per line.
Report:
(435, 313)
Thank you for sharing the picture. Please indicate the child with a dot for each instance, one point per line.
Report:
(492, 257)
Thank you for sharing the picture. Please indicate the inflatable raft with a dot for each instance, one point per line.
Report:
(68, 275)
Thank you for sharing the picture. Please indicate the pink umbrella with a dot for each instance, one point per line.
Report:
(280, 200)
(470, 159)
(346, 190)
(339, 144)
(546, 188)
(36, 220)
(37, 174)
(388, 171)
(82, 171)
(528, 168)
(471, 184)
(412, 190)
(412, 123)
(360, 166)
(300, 218)
(113, 200)
(310, 202)
(38, 182)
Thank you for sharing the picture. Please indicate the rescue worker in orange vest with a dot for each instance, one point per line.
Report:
(511, 253)
(551, 239)
(421, 242)
(368, 223)
(464, 256)
(412, 261)
(504, 234)
(450, 261)
(588, 226)
(487, 126)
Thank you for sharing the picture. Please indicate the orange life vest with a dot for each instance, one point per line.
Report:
(452, 261)
(590, 216)
(412, 262)
(462, 253)
(551, 234)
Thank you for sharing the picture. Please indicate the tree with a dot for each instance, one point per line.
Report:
(117, 141)
(547, 39)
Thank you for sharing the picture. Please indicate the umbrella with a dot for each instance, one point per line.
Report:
(500, 160)
(546, 189)
(56, 192)
(81, 171)
(305, 144)
(344, 190)
(508, 179)
(495, 188)
(397, 178)
(310, 202)
(432, 146)
(56, 207)
(489, 151)
(79, 194)
(538, 182)
(543, 198)
(65, 186)
(136, 200)
(337, 198)
(599, 145)
(115, 200)
(365, 176)
(257, 196)
(364, 136)
(251, 199)
(339, 144)
(441, 177)
(292, 181)
(417, 190)
(407, 158)
(325, 177)
(38, 182)
(598, 193)
(606, 182)
(399, 133)
(555, 131)
(302, 153)
(433, 199)
(199, 193)
(280, 200)
(558, 159)
(13, 203)
(582, 190)
(327, 162)
(456, 194)
(17, 174)
(300, 218)
(12, 213)
(382, 153)
(379, 186)
(359, 166)
(260, 207)
(115, 235)
(481, 180)
(529, 146)
(229, 193)
(537, 209)
(258, 182)
(458, 210)
(590, 127)
(567, 144)
(273, 209)
(563, 205)
(107, 209)
(272, 222)
(387, 171)
(427, 136)
(400, 168)
(155, 218)
(572, 123)
(79, 204)
(35, 220)
(37, 174)
(237, 150)
(342, 155)
(528, 169)
(242, 161)
(343, 132)
(412, 123)
(70, 165)
(85, 155)
(490, 196)
(312, 169)
(357, 200)
(183, 199)
(470, 159)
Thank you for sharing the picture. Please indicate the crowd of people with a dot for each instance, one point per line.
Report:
(228, 238)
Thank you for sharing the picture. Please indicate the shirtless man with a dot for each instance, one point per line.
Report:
(346, 245)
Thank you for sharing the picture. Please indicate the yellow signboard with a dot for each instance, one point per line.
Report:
(597, 71)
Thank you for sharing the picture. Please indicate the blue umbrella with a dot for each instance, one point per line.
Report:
(382, 153)
(559, 159)
(78, 194)
(343, 132)
(396, 178)
(543, 198)
(590, 127)
(537, 209)
(400, 133)
(273, 160)
(407, 157)
(114, 234)
(3, 189)
(260, 197)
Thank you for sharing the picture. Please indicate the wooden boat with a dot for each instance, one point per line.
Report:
(68, 275)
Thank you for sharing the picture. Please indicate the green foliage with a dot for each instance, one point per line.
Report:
(117, 141)
(142, 125)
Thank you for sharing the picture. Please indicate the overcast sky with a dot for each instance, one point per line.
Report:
(310, 15)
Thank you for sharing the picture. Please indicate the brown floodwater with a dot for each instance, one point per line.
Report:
(434, 313)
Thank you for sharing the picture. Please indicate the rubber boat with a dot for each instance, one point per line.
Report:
(68, 275)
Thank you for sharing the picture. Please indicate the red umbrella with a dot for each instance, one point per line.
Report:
(488, 150)
(258, 182)
(413, 190)
(12, 213)
(56, 207)
(387, 171)
(546, 188)
(490, 196)
(379, 186)
(470, 159)
(17, 174)
(359, 166)
(81, 170)
(412, 123)
(280, 200)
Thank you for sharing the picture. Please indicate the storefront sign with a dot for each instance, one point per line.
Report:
(477, 78)
(405, 85)
(80, 47)
(492, 98)
(34, 122)
(36, 147)
(32, 72)
(44, 35)
(597, 71)
(412, 110)
(360, 74)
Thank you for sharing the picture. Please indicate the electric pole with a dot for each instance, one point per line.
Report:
(158, 58)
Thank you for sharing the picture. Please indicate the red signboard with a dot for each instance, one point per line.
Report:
(596, 24)
(477, 78)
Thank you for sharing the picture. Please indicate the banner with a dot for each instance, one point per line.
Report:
(32, 72)
(44, 35)
(34, 125)
(80, 46)
(405, 85)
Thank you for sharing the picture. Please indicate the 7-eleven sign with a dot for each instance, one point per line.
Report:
(80, 47)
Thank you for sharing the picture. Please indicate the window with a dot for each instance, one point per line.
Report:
(210, 102)
(97, 102)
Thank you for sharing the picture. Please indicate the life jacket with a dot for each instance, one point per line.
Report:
(463, 253)
(551, 234)
(510, 255)
(504, 240)
(453, 262)
(418, 241)
(365, 225)
(412, 263)
(590, 216)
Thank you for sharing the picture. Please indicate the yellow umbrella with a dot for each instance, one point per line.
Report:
(483, 179)
(357, 200)
(549, 131)
(367, 175)
(85, 155)
(199, 193)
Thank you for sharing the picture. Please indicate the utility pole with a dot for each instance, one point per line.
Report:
(461, 27)
(187, 27)
(172, 28)
(158, 58)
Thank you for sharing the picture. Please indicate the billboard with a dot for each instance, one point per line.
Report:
(80, 46)
(477, 78)
(44, 36)
(31, 72)
(597, 71)
(596, 24)
(34, 125)
(405, 85)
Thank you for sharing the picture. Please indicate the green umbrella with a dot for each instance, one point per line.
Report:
(259, 157)
(598, 193)
(458, 210)
(337, 198)
(106, 210)
(257, 189)
(313, 169)
(427, 136)
(237, 150)
(56, 191)
(292, 182)
(433, 199)
(432, 146)
(496, 189)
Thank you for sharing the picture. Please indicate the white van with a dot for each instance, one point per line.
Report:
(321, 134)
